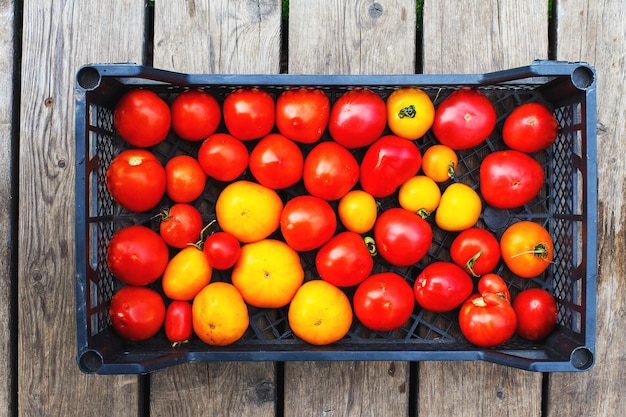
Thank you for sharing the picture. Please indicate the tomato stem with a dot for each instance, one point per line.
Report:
(164, 213)
(540, 251)
(371, 245)
(451, 169)
(200, 243)
(423, 213)
(408, 111)
(471, 261)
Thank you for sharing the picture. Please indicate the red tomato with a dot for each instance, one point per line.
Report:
(344, 260)
(537, 313)
(137, 313)
(180, 225)
(142, 118)
(442, 286)
(196, 115)
(357, 118)
(530, 127)
(307, 222)
(184, 179)
(510, 179)
(492, 283)
(223, 157)
(402, 237)
(302, 114)
(383, 302)
(222, 250)
(464, 119)
(487, 320)
(330, 171)
(137, 255)
(527, 248)
(249, 113)
(476, 250)
(387, 164)
(276, 162)
(136, 180)
(178, 322)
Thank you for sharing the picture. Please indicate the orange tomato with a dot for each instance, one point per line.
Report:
(419, 194)
(459, 208)
(410, 112)
(439, 162)
(526, 248)
(219, 314)
(268, 273)
(186, 274)
(248, 211)
(320, 313)
(357, 211)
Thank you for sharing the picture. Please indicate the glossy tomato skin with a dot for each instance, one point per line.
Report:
(442, 286)
(137, 313)
(537, 313)
(222, 250)
(196, 115)
(330, 171)
(307, 222)
(186, 274)
(184, 179)
(527, 248)
(357, 118)
(136, 180)
(510, 179)
(387, 163)
(529, 128)
(344, 260)
(180, 225)
(383, 302)
(402, 238)
(459, 208)
(487, 320)
(493, 283)
(137, 255)
(464, 119)
(476, 250)
(223, 157)
(302, 114)
(142, 118)
(249, 113)
(178, 322)
(276, 162)
(410, 112)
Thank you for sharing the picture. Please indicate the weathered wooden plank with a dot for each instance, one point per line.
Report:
(58, 37)
(474, 37)
(352, 37)
(594, 32)
(217, 37)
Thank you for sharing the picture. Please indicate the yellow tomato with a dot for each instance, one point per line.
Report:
(410, 112)
(439, 163)
(186, 274)
(357, 211)
(268, 273)
(459, 208)
(248, 211)
(419, 194)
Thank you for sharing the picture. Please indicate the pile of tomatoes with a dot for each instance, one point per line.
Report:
(343, 183)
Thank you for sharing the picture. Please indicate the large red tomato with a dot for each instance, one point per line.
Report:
(487, 320)
(383, 302)
(464, 119)
(136, 180)
(476, 250)
(357, 118)
(137, 313)
(223, 157)
(276, 162)
(196, 115)
(142, 118)
(537, 313)
(387, 164)
(307, 222)
(402, 237)
(330, 171)
(530, 127)
(302, 114)
(137, 255)
(249, 113)
(442, 286)
(344, 260)
(510, 179)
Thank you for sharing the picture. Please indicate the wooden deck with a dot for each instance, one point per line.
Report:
(47, 41)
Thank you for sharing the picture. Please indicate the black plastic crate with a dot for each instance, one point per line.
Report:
(566, 207)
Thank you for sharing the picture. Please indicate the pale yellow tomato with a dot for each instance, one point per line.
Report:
(459, 208)
(419, 194)
(357, 211)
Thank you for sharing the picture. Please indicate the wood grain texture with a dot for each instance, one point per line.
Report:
(595, 33)
(58, 37)
(209, 36)
(352, 37)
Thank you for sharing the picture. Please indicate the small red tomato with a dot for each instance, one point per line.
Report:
(442, 286)
(184, 179)
(330, 171)
(537, 313)
(402, 237)
(302, 114)
(249, 113)
(344, 260)
(476, 250)
(178, 322)
(180, 225)
(383, 302)
(529, 128)
(223, 157)
(142, 118)
(357, 118)
(492, 283)
(487, 320)
(137, 313)
(222, 250)
(196, 115)
(276, 162)
(307, 222)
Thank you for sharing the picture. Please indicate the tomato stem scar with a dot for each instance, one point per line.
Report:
(408, 111)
